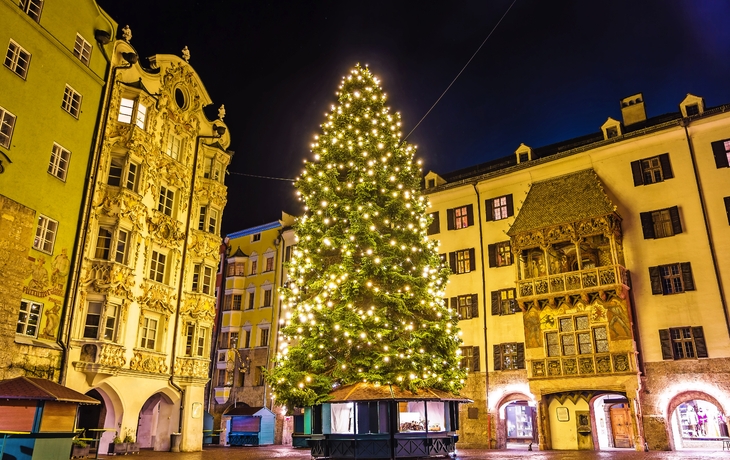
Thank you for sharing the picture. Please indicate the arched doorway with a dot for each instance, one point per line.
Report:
(157, 420)
(98, 417)
(697, 422)
(517, 422)
(612, 419)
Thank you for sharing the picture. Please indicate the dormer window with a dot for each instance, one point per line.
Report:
(693, 110)
(692, 106)
(524, 153)
(611, 132)
(611, 128)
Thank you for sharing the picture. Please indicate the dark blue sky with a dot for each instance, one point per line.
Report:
(553, 70)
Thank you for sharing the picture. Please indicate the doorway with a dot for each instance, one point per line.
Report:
(520, 425)
(699, 424)
(613, 422)
(157, 420)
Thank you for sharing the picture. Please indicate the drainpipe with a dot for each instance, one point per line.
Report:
(218, 132)
(218, 320)
(684, 123)
(484, 296)
(92, 173)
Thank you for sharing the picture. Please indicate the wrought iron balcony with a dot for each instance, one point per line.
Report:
(572, 282)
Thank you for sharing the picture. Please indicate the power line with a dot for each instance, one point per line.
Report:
(262, 177)
(462, 70)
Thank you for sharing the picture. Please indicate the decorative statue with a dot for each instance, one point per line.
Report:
(127, 33)
(221, 112)
(186, 54)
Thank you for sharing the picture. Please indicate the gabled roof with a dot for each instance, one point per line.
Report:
(563, 199)
(238, 253)
(32, 388)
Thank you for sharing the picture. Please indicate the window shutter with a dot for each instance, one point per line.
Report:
(655, 276)
(497, 357)
(472, 260)
(474, 306)
(450, 219)
(647, 225)
(700, 345)
(666, 341)
(510, 206)
(689, 284)
(676, 223)
(637, 173)
(520, 355)
(718, 149)
(489, 210)
(727, 208)
(435, 226)
(475, 362)
(452, 261)
(666, 166)
(455, 304)
(470, 214)
(492, 250)
(495, 303)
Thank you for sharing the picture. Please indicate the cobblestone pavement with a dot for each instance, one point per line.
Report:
(274, 452)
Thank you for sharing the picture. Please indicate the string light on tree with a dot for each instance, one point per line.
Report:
(365, 299)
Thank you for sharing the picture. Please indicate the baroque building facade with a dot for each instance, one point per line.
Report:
(253, 272)
(54, 72)
(591, 279)
(143, 316)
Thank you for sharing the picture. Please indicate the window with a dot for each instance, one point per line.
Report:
(237, 301)
(240, 269)
(470, 359)
(503, 302)
(264, 337)
(228, 303)
(434, 228)
(246, 339)
(259, 376)
(466, 305)
(45, 234)
(459, 218)
(71, 101)
(105, 242)
(721, 151)
(671, 279)
(157, 267)
(267, 298)
(509, 356)
(683, 343)
(462, 261)
(576, 337)
(222, 378)
(233, 342)
(206, 273)
(202, 338)
(692, 110)
(212, 221)
(611, 132)
(499, 208)
(101, 321)
(431, 183)
(148, 333)
(190, 337)
(288, 251)
(269, 264)
(131, 109)
(251, 296)
(211, 169)
(727, 208)
(174, 145)
(122, 173)
(17, 59)
(32, 8)
(256, 237)
(58, 165)
(165, 203)
(120, 251)
(28, 318)
(253, 267)
(661, 223)
(651, 170)
(7, 124)
(500, 254)
(82, 49)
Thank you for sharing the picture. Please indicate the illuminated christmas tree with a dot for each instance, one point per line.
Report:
(365, 299)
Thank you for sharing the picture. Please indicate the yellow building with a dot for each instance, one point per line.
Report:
(143, 317)
(254, 271)
(54, 72)
(591, 278)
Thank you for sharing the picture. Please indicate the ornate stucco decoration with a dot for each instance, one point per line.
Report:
(204, 245)
(109, 278)
(609, 224)
(211, 192)
(148, 362)
(121, 203)
(200, 307)
(157, 297)
(191, 367)
(165, 230)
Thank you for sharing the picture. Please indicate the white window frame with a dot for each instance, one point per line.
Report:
(126, 178)
(264, 335)
(32, 8)
(166, 201)
(117, 248)
(270, 294)
(149, 331)
(202, 278)
(17, 59)
(158, 259)
(131, 110)
(7, 126)
(82, 49)
(108, 321)
(60, 159)
(174, 147)
(27, 318)
(45, 234)
(71, 102)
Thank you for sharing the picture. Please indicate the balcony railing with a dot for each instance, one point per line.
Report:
(565, 283)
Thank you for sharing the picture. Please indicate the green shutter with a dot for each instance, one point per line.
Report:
(637, 173)
(497, 357)
(666, 341)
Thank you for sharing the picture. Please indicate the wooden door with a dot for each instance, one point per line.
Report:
(621, 427)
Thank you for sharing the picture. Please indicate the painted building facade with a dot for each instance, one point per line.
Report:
(142, 321)
(248, 329)
(53, 77)
(591, 280)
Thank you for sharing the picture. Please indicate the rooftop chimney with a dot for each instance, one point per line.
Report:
(632, 109)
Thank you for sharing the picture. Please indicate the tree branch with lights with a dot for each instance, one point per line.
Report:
(365, 299)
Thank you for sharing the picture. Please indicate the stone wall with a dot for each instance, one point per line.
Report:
(474, 418)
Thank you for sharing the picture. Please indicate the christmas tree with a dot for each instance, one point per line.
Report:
(365, 299)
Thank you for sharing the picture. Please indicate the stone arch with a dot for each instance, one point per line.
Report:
(158, 418)
(113, 413)
(681, 398)
(594, 418)
(501, 418)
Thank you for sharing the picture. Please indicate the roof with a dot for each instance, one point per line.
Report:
(32, 388)
(370, 392)
(252, 230)
(568, 198)
(244, 409)
(238, 253)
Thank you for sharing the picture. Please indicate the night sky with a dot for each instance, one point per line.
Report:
(552, 70)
